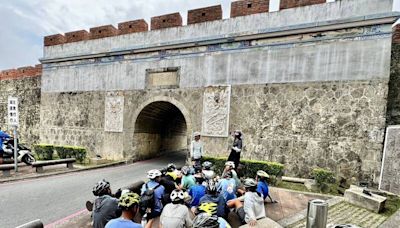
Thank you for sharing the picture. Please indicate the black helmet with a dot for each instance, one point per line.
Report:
(171, 167)
(207, 165)
(211, 186)
(101, 188)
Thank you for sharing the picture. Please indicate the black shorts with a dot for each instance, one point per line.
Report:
(153, 214)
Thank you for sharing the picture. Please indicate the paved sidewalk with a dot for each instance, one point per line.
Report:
(345, 213)
(28, 172)
(392, 222)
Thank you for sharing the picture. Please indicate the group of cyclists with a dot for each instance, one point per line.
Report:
(190, 197)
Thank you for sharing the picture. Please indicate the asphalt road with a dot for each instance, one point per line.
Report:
(53, 198)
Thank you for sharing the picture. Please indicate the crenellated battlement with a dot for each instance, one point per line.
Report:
(22, 72)
(212, 13)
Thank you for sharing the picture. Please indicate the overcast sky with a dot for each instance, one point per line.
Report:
(23, 23)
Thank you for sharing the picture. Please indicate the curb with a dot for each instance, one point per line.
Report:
(65, 172)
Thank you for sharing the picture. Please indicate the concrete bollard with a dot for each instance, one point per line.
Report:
(317, 214)
(34, 224)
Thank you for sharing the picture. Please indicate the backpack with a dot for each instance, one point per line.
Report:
(147, 200)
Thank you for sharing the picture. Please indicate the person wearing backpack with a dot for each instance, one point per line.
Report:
(176, 214)
(105, 206)
(152, 192)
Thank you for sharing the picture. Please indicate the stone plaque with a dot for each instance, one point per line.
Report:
(114, 112)
(216, 105)
(164, 78)
(390, 172)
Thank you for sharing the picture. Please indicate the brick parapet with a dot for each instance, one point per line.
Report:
(103, 31)
(133, 26)
(286, 4)
(22, 72)
(77, 36)
(247, 7)
(166, 21)
(212, 13)
(200, 15)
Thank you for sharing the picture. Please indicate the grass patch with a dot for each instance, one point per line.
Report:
(391, 206)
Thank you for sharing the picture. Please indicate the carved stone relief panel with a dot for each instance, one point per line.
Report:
(216, 106)
(390, 172)
(114, 112)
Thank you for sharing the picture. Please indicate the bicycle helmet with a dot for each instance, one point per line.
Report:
(153, 174)
(261, 173)
(101, 188)
(207, 165)
(211, 186)
(177, 195)
(248, 183)
(185, 170)
(208, 207)
(230, 164)
(204, 220)
(171, 167)
(128, 200)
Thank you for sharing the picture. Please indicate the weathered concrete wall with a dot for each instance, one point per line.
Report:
(361, 58)
(27, 89)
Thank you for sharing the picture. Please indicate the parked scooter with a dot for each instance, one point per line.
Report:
(24, 154)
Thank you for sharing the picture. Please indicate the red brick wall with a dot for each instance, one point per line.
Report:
(247, 7)
(285, 4)
(54, 40)
(396, 34)
(211, 13)
(77, 36)
(166, 21)
(103, 31)
(21, 72)
(133, 26)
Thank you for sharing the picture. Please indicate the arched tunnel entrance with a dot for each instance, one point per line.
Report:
(160, 128)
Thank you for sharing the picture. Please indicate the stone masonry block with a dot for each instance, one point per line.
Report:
(166, 21)
(54, 40)
(372, 202)
(286, 4)
(211, 13)
(103, 31)
(133, 26)
(247, 7)
(77, 36)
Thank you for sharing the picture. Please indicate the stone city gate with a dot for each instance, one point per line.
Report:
(310, 92)
(162, 125)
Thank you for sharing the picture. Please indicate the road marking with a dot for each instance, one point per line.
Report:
(66, 219)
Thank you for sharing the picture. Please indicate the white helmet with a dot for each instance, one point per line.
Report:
(230, 163)
(152, 174)
(177, 195)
